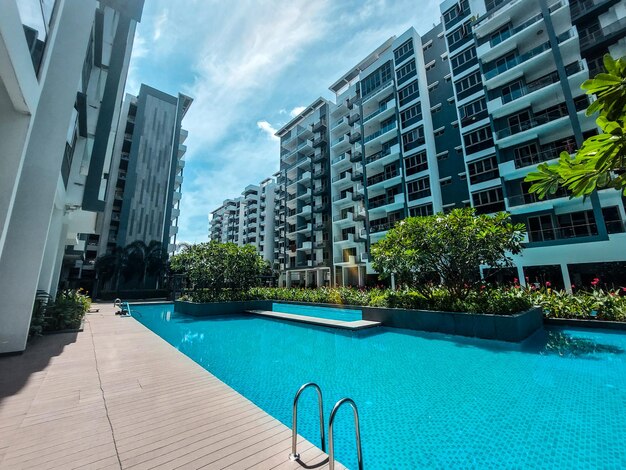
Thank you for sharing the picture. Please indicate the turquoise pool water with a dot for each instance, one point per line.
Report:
(342, 314)
(426, 400)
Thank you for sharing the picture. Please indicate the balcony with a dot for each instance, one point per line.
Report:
(497, 73)
(338, 158)
(318, 126)
(355, 156)
(319, 208)
(537, 91)
(319, 190)
(307, 245)
(386, 204)
(304, 228)
(319, 156)
(385, 177)
(563, 232)
(502, 43)
(583, 8)
(339, 140)
(360, 215)
(342, 198)
(342, 177)
(383, 130)
(382, 227)
(175, 214)
(318, 174)
(532, 198)
(355, 137)
(339, 124)
(542, 156)
(380, 112)
(357, 176)
(347, 238)
(319, 141)
(605, 35)
(347, 260)
(383, 157)
(353, 119)
(306, 176)
(319, 227)
(346, 217)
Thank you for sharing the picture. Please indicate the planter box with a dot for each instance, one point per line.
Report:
(513, 328)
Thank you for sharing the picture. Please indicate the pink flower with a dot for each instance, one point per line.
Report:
(483, 287)
(573, 286)
(515, 280)
(595, 282)
(548, 284)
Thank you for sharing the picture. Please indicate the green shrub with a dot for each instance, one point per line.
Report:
(67, 311)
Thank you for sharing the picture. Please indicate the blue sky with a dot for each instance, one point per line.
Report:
(249, 65)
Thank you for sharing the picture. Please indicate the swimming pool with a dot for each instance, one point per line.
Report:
(329, 313)
(426, 400)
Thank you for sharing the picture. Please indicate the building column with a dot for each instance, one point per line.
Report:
(26, 234)
(520, 275)
(566, 279)
(50, 252)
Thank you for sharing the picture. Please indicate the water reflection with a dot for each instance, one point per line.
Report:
(567, 345)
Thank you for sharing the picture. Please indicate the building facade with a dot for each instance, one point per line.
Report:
(145, 184)
(454, 118)
(63, 66)
(517, 68)
(249, 219)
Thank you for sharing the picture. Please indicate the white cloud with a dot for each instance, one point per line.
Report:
(297, 110)
(268, 129)
(160, 25)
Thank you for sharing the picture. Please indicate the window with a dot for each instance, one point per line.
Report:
(500, 35)
(408, 93)
(376, 79)
(540, 228)
(577, 224)
(445, 181)
(468, 85)
(406, 71)
(463, 61)
(428, 45)
(512, 91)
(459, 36)
(418, 189)
(413, 139)
(421, 211)
(430, 65)
(473, 111)
(411, 115)
(416, 163)
(488, 201)
(478, 140)
(440, 131)
(442, 155)
(483, 170)
(456, 13)
(404, 51)
(612, 220)
(433, 86)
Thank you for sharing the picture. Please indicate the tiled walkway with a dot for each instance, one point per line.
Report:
(118, 396)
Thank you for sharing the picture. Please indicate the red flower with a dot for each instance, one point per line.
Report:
(548, 284)
(515, 280)
(483, 287)
(595, 281)
(573, 286)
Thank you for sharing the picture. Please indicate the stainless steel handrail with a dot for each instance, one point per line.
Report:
(294, 423)
(331, 450)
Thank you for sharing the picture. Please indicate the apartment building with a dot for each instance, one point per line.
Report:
(145, 183)
(305, 248)
(249, 219)
(455, 117)
(517, 68)
(63, 67)
(394, 142)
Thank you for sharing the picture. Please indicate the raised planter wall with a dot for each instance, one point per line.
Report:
(512, 328)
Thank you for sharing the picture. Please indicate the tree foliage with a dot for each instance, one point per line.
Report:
(449, 248)
(216, 266)
(601, 161)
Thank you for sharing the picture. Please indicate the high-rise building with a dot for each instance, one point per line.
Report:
(63, 68)
(144, 190)
(249, 219)
(456, 117)
(305, 249)
(517, 68)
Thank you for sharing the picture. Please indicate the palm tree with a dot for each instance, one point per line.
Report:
(110, 266)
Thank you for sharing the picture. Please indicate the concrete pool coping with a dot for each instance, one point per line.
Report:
(347, 325)
(117, 395)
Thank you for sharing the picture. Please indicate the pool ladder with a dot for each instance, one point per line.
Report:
(331, 448)
(123, 306)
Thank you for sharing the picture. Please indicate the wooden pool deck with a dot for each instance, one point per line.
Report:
(117, 396)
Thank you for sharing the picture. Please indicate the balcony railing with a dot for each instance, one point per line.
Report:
(528, 124)
(372, 180)
(338, 158)
(602, 34)
(542, 156)
(374, 228)
(381, 131)
(530, 198)
(377, 156)
(513, 31)
(540, 83)
(519, 59)
(383, 107)
(564, 232)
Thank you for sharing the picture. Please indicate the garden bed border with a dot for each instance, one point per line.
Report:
(511, 328)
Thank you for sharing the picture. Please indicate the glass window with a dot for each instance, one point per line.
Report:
(404, 51)
(416, 163)
(411, 115)
(406, 71)
(408, 93)
(418, 189)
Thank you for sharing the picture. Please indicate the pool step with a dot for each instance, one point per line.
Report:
(347, 325)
